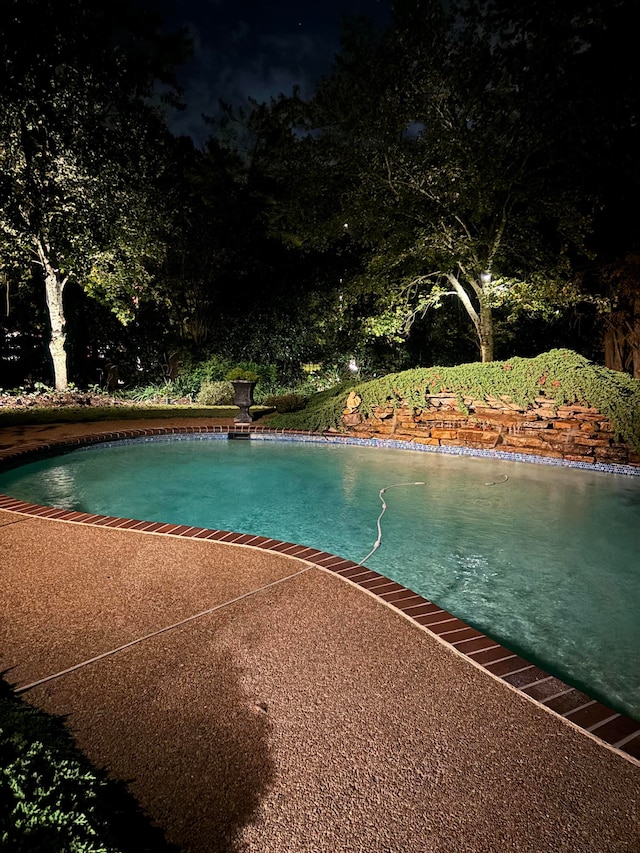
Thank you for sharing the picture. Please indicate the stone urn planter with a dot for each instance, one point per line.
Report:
(244, 382)
(243, 398)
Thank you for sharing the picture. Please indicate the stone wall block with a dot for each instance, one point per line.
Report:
(573, 432)
(523, 441)
(617, 453)
(439, 415)
(538, 425)
(479, 437)
(585, 418)
(381, 414)
(569, 411)
(559, 439)
(403, 436)
(576, 458)
(506, 419)
(351, 418)
(384, 428)
(420, 439)
(364, 433)
(584, 441)
(447, 434)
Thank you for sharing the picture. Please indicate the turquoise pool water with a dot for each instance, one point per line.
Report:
(546, 562)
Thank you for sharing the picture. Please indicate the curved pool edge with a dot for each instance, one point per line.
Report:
(611, 728)
(12, 456)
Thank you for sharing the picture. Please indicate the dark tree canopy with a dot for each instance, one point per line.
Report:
(79, 154)
(462, 182)
(454, 157)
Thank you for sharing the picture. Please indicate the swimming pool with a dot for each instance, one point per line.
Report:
(547, 561)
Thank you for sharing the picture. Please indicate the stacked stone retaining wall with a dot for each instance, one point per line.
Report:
(575, 433)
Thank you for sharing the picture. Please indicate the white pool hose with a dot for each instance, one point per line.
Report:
(496, 482)
(378, 541)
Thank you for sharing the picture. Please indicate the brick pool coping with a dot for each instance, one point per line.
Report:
(607, 725)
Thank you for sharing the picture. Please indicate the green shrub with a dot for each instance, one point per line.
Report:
(242, 374)
(149, 393)
(282, 403)
(216, 369)
(215, 393)
(324, 379)
(193, 373)
(266, 375)
(323, 411)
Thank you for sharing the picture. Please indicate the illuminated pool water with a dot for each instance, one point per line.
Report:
(547, 561)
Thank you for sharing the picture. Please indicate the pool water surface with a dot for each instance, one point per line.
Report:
(546, 560)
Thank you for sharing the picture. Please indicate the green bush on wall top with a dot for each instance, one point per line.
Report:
(560, 375)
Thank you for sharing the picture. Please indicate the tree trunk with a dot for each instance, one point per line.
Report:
(613, 358)
(54, 289)
(622, 340)
(485, 333)
(482, 322)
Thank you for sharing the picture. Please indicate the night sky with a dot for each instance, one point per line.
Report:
(256, 48)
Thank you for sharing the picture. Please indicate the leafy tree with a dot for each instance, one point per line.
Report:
(607, 154)
(79, 151)
(447, 155)
(214, 241)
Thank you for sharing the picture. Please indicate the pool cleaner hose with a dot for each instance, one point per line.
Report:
(378, 541)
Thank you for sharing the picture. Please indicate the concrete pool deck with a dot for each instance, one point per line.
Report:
(301, 713)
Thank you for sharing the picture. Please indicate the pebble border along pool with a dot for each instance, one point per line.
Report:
(605, 724)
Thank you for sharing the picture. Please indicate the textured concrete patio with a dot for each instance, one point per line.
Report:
(299, 713)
